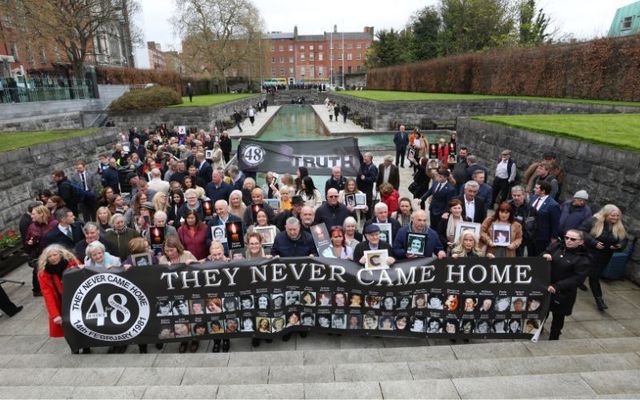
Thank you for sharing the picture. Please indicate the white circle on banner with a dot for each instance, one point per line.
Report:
(116, 310)
(253, 154)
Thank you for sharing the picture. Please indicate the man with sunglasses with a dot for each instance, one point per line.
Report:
(332, 212)
(570, 263)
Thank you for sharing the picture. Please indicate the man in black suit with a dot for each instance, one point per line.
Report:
(547, 217)
(367, 175)
(441, 191)
(67, 233)
(223, 216)
(204, 168)
(381, 216)
(388, 173)
(373, 242)
(87, 181)
(138, 148)
(401, 141)
(336, 181)
(473, 208)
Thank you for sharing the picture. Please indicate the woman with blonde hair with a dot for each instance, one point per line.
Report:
(467, 245)
(254, 246)
(161, 202)
(236, 205)
(52, 264)
(103, 217)
(604, 235)
(284, 194)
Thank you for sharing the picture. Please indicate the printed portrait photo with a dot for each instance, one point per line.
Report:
(246, 302)
(309, 298)
(486, 304)
(164, 308)
(451, 325)
(370, 322)
(247, 324)
(196, 307)
(451, 303)
(308, 319)
(534, 304)
(277, 324)
(515, 326)
(339, 321)
(373, 302)
(166, 332)
(403, 302)
(324, 299)
(199, 329)
(389, 303)
(339, 299)
(483, 326)
(277, 301)
(263, 324)
(435, 302)
(420, 300)
(501, 234)
(355, 321)
(230, 304)
(518, 304)
(402, 323)
(213, 305)
(292, 298)
(293, 318)
(216, 326)
(263, 301)
(470, 304)
(502, 304)
(355, 300)
(499, 326)
(467, 326)
(386, 323)
(434, 325)
(182, 330)
(180, 308)
(231, 325)
(324, 320)
(417, 324)
(531, 326)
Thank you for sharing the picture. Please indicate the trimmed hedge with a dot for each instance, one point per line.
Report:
(602, 69)
(148, 99)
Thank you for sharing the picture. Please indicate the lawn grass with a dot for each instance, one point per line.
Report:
(619, 130)
(385, 95)
(213, 99)
(18, 140)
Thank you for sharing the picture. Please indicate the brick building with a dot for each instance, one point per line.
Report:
(324, 58)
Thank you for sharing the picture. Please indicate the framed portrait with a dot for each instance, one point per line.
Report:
(141, 260)
(360, 200)
(416, 244)
(385, 232)
(350, 200)
(376, 259)
(235, 235)
(218, 232)
(321, 237)
(411, 154)
(126, 148)
(467, 226)
(268, 234)
(208, 154)
(273, 203)
(433, 151)
(501, 234)
(207, 209)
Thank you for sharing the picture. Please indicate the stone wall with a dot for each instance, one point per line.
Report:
(608, 174)
(311, 96)
(24, 172)
(387, 116)
(199, 117)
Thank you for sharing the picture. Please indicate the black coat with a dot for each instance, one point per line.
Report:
(332, 215)
(569, 268)
(361, 247)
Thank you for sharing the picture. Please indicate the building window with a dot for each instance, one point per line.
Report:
(7, 22)
(273, 60)
(302, 71)
(273, 72)
(281, 60)
(43, 56)
(290, 60)
(358, 68)
(290, 47)
(58, 56)
(320, 47)
(281, 71)
(340, 57)
(349, 46)
(626, 23)
(273, 48)
(281, 48)
(358, 56)
(349, 56)
(14, 51)
(358, 45)
(291, 71)
(311, 57)
(311, 71)
(310, 47)
(320, 57)
(349, 69)
(301, 48)
(301, 57)
(320, 71)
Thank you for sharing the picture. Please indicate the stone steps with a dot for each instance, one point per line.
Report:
(586, 368)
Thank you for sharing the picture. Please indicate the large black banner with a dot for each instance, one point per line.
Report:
(455, 298)
(319, 156)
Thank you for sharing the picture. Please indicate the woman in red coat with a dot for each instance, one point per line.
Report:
(389, 196)
(193, 235)
(52, 263)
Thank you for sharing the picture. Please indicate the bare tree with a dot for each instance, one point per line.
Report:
(73, 24)
(218, 35)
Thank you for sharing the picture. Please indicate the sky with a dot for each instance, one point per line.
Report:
(582, 19)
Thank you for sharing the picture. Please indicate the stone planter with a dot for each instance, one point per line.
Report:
(11, 259)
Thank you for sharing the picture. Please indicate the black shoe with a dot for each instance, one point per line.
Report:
(303, 334)
(194, 346)
(86, 350)
(601, 304)
(122, 349)
(582, 286)
(159, 346)
(18, 309)
(286, 337)
(255, 342)
(143, 349)
(183, 347)
(216, 346)
(226, 345)
(269, 340)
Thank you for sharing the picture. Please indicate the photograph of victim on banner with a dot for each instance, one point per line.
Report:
(479, 298)
(319, 156)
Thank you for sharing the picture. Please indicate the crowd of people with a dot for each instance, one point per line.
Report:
(160, 179)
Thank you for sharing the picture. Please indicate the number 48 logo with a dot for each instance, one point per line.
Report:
(117, 301)
(253, 154)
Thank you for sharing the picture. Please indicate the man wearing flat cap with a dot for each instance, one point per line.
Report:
(505, 178)
(372, 242)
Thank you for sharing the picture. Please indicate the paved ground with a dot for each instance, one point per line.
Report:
(262, 119)
(339, 127)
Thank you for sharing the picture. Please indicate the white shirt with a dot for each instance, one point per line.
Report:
(501, 169)
(385, 175)
(540, 201)
(470, 208)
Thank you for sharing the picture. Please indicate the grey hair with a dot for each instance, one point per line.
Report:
(93, 246)
(471, 184)
(293, 221)
(381, 206)
(90, 226)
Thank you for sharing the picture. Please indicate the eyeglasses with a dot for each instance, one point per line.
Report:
(571, 239)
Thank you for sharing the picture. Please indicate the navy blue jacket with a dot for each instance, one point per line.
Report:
(440, 201)
(284, 246)
(370, 173)
(572, 217)
(547, 219)
(400, 243)
(332, 215)
(221, 193)
(401, 140)
(110, 178)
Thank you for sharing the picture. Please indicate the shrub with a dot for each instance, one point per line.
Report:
(147, 99)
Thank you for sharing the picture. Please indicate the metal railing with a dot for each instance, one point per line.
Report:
(28, 90)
